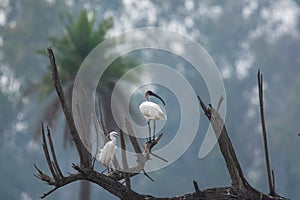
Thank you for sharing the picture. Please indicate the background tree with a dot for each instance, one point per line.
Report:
(81, 36)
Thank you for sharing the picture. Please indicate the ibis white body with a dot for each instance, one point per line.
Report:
(152, 111)
(106, 154)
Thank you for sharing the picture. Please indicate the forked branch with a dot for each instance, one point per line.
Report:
(226, 147)
(85, 170)
(240, 189)
(57, 179)
(140, 163)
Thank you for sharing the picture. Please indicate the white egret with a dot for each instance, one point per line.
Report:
(106, 154)
(152, 111)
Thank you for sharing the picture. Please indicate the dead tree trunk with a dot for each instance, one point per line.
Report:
(239, 189)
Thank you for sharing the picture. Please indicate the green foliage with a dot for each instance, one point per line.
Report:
(80, 37)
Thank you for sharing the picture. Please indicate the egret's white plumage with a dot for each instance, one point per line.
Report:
(152, 111)
(107, 153)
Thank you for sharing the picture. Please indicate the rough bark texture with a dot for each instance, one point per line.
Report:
(240, 189)
(233, 166)
(84, 154)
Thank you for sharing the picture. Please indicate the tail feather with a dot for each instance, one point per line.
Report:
(163, 116)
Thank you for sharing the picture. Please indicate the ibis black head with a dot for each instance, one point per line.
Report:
(149, 93)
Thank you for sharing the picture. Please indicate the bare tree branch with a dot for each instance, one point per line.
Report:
(239, 183)
(132, 138)
(226, 147)
(197, 190)
(47, 155)
(124, 161)
(101, 118)
(85, 157)
(264, 131)
(55, 163)
(64, 181)
(159, 157)
(273, 180)
(141, 160)
(43, 177)
(219, 103)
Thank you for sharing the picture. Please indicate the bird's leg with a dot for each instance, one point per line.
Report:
(110, 168)
(153, 130)
(149, 130)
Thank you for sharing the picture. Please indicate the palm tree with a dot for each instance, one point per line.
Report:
(80, 37)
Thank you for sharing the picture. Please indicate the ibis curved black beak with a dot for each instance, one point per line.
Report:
(150, 93)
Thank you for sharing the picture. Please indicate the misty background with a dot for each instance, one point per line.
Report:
(241, 36)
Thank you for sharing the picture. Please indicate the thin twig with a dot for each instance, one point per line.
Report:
(65, 181)
(132, 138)
(98, 131)
(273, 180)
(104, 132)
(159, 157)
(101, 118)
(42, 176)
(82, 124)
(47, 155)
(219, 103)
(124, 161)
(147, 175)
(204, 108)
(53, 154)
(264, 131)
(56, 169)
(49, 192)
(149, 145)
